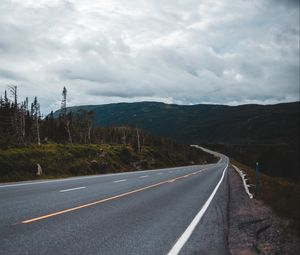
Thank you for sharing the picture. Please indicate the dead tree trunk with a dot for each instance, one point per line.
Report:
(38, 131)
(138, 140)
(69, 131)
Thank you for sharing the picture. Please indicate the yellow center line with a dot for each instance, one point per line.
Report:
(106, 199)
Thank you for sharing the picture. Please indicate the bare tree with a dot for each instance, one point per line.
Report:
(91, 115)
(84, 122)
(35, 112)
(63, 106)
(17, 116)
(124, 136)
(24, 110)
(138, 140)
(65, 116)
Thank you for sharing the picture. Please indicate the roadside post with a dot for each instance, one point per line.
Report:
(257, 179)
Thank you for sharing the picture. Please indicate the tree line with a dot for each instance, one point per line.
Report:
(21, 124)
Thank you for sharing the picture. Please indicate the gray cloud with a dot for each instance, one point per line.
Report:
(287, 3)
(179, 51)
(10, 75)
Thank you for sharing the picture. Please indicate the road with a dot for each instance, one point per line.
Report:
(166, 211)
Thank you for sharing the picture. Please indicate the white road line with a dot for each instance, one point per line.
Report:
(123, 180)
(25, 183)
(159, 173)
(66, 190)
(187, 233)
(144, 176)
(170, 171)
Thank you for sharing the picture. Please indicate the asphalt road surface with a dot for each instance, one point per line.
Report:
(166, 211)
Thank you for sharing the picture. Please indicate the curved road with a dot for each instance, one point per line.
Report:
(166, 211)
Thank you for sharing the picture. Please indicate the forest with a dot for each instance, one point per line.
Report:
(69, 142)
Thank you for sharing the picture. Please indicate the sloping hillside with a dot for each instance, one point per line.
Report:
(250, 133)
(205, 123)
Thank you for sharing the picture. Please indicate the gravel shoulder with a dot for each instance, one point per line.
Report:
(253, 226)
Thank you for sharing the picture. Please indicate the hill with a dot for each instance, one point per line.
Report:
(265, 133)
(205, 123)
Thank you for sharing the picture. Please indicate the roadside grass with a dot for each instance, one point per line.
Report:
(63, 160)
(280, 194)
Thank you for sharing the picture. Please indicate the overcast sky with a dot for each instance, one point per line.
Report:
(175, 51)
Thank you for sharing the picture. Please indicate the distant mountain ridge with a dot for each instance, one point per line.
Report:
(204, 123)
(268, 134)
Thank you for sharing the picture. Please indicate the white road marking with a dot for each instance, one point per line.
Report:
(123, 180)
(66, 190)
(25, 183)
(187, 233)
(144, 176)
(102, 200)
(170, 171)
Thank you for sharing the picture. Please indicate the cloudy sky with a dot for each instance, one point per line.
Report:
(175, 51)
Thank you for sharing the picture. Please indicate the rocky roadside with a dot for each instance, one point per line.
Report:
(253, 227)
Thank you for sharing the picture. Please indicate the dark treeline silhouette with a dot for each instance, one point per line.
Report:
(21, 125)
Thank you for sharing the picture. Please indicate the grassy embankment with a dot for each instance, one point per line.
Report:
(280, 194)
(70, 160)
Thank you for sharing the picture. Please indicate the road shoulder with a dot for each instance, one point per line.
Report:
(210, 235)
(253, 226)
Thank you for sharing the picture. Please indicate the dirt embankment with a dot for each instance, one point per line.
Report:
(253, 226)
